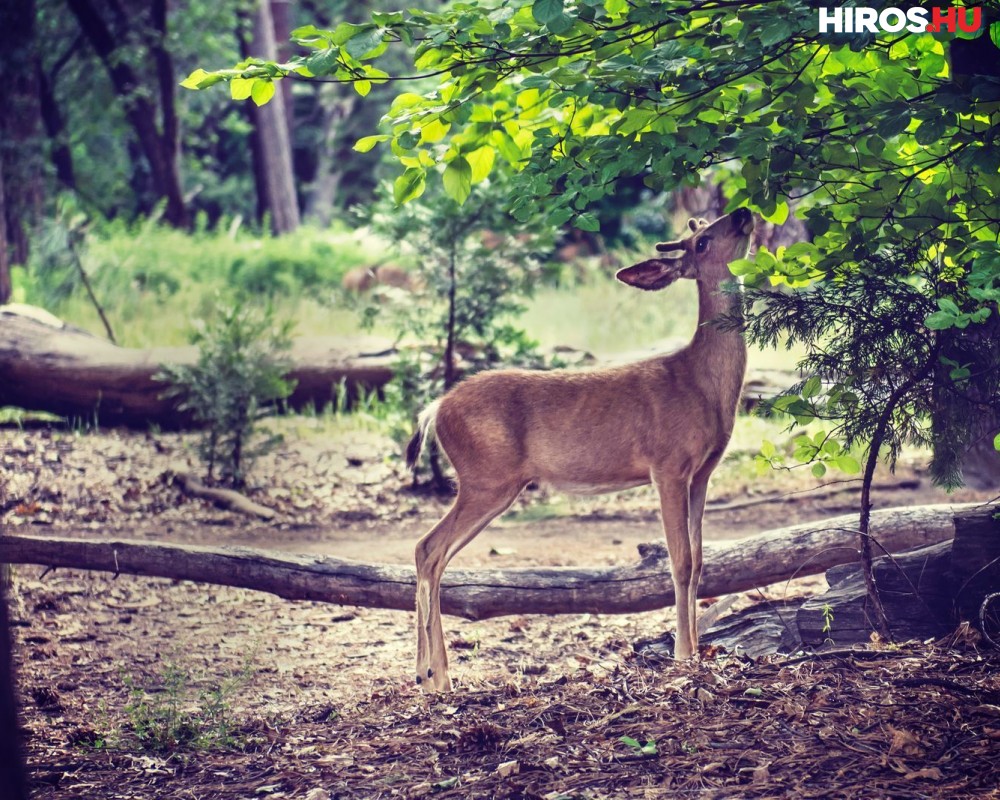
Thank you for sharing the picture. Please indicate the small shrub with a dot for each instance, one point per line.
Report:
(237, 381)
(176, 714)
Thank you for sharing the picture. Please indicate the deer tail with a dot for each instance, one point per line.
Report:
(425, 430)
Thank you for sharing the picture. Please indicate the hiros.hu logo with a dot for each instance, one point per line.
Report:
(893, 20)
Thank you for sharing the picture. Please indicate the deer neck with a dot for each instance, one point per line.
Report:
(720, 354)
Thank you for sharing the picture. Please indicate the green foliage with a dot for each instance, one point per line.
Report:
(177, 714)
(473, 268)
(871, 348)
(237, 381)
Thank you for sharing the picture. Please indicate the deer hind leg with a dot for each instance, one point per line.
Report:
(674, 503)
(474, 509)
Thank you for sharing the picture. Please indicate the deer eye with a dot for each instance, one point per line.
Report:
(702, 245)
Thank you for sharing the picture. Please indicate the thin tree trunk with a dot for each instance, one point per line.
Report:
(275, 143)
(12, 782)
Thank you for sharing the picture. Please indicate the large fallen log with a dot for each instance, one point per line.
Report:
(925, 592)
(46, 365)
(479, 594)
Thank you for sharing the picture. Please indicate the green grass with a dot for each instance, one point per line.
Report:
(153, 281)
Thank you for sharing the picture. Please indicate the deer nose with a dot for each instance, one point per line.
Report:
(742, 220)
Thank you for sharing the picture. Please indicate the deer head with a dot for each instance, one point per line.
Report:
(704, 254)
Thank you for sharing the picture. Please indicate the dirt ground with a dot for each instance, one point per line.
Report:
(149, 688)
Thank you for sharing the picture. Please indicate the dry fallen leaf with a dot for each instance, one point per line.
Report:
(904, 742)
(927, 773)
(508, 768)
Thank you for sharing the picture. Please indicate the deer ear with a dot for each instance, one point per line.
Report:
(693, 224)
(651, 275)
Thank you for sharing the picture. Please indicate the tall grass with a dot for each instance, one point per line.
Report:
(153, 280)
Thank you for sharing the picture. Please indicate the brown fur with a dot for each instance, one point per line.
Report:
(665, 420)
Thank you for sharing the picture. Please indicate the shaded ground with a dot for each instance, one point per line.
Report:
(138, 688)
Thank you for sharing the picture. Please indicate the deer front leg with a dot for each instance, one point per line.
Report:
(699, 490)
(674, 502)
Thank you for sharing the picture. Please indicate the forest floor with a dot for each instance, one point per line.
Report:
(149, 688)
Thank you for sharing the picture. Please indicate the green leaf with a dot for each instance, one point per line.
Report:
(262, 91)
(848, 464)
(363, 43)
(812, 387)
(940, 320)
(767, 449)
(199, 79)
(409, 185)
(366, 143)
(545, 11)
(996, 442)
(481, 160)
(195, 78)
(362, 87)
(780, 214)
(931, 130)
(819, 469)
(458, 179)
(995, 36)
(240, 88)
(587, 222)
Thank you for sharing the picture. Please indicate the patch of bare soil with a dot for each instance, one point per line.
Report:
(147, 688)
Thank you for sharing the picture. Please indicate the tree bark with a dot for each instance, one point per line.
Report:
(158, 147)
(275, 148)
(46, 365)
(12, 782)
(481, 594)
(926, 592)
(6, 288)
(20, 153)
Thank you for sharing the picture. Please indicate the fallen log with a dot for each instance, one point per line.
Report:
(223, 498)
(926, 592)
(483, 593)
(47, 365)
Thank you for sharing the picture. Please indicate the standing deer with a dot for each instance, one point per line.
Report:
(665, 420)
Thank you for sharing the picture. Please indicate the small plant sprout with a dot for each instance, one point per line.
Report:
(645, 749)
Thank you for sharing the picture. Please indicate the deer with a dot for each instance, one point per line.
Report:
(664, 421)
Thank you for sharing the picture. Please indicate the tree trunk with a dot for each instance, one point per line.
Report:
(158, 148)
(48, 366)
(12, 783)
(6, 288)
(275, 149)
(480, 594)
(20, 153)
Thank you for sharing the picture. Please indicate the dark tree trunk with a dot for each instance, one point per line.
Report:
(159, 147)
(62, 156)
(20, 154)
(275, 148)
(5, 284)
